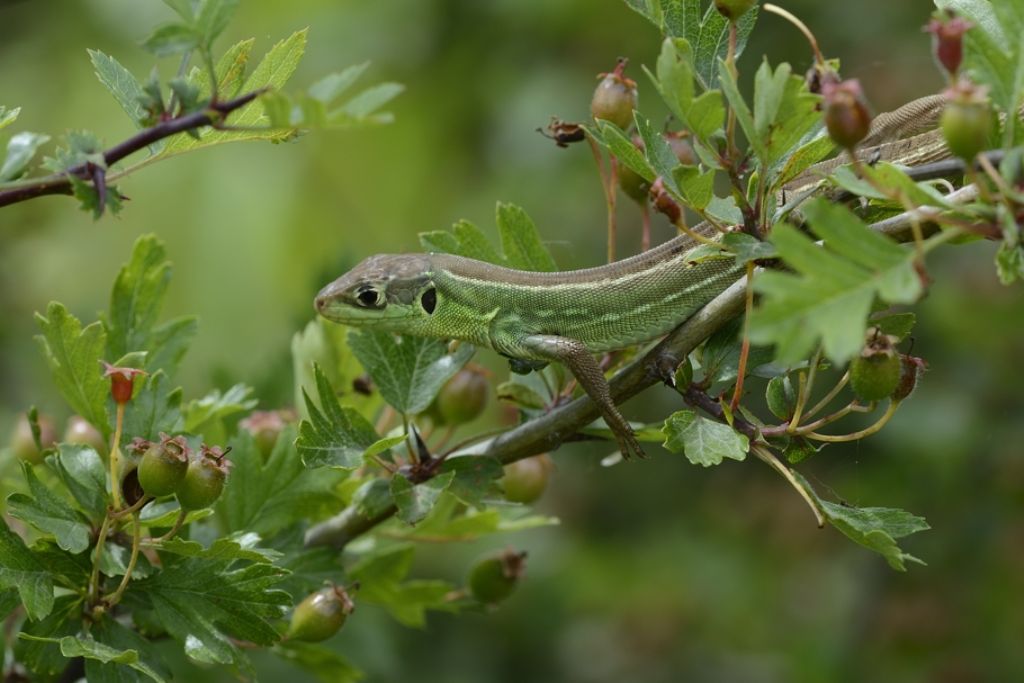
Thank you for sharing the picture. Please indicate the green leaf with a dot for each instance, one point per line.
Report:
(612, 137)
(213, 18)
(326, 344)
(73, 354)
(465, 239)
(898, 325)
(408, 371)
(696, 188)
(520, 394)
(414, 501)
(334, 435)
(84, 475)
(368, 101)
(43, 657)
(743, 115)
(21, 148)
(785, 115)
(475, 479)
(830, 295)
(135, 303)
(204, 599)
(48, 513)
(873, 527)
(520, 240)
(703, 441)
(272, 72)
(720, 354)
(217, 406)
(325, 665)
(707, 115)
(8, 116)
(111, 633)
(171, 39)
(155, 408)
(84, 646)
(372, 498)
(380, 577)
(265, 497)
(332, 86)
(121, 84)
(20, 569)
(748, 248)
(660, 156)
(803, 158)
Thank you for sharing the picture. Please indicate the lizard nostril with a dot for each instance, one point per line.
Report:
(320, 303)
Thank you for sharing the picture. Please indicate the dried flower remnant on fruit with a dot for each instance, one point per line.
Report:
(948, 31)
(563, 133)
(615, 97)
(122, 381)
(847, 117)
(966, 121)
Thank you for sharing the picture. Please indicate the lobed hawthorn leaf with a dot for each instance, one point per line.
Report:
(171, 39)
(21, 149)
(73, 354)
(111, 633)
(334, 435)
(898, 325)
(155, 408)
(874, 528)
(743, 114)
(449, 520)
(703, 441)
(324, 664)
(326, 344)
(205, 599)
(720, 353)
(408, 371)
(267, 496)
(414, 501)
(49, 513)
(372, 498)
(34, 648)
(475, 478)
(748, 248)
(135, 303)
(829, 297)
(464, 239)
(21, 569)
(615, 140)
(92, 649)
(214, 16)
(217, 405)
(8, 116)
(380, 575)
(520, 240)
(83, 474)
(121, 84)
(9, 600)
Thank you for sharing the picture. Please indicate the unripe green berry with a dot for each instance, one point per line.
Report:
(874, 377)
(204, 479)
(163, 466)
(79, 431)
(967, 123)
(23, 445)
(463, 397)
(493, 578)
(265, 426)
(734, 9)
(615, 97)
(526, 479)
(320, 615)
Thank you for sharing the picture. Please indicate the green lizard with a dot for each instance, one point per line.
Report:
(536, 317)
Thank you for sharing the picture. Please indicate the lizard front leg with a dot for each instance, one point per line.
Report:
(577, 358)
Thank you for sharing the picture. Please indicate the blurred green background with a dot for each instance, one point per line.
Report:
(660, 571)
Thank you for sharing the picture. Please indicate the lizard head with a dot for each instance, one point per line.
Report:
(390, 292)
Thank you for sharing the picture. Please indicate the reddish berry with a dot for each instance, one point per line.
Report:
(526, 479)
(493, 578)
(122, 381)
(615, 97)
(846, 112)
(948, 31)
(164, 465)
(320, 615)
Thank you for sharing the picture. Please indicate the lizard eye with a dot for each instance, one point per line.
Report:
(370, 298)
(429, 300)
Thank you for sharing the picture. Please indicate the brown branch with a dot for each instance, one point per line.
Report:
(60, 183)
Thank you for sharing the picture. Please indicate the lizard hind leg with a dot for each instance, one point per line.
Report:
(578, 359)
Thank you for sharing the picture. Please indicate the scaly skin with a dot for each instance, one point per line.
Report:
(568, 316)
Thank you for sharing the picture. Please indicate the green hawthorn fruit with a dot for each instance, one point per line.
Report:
(204, 479)
(163, 466)
(80, 431)
(875, 376)
(265, 426)
(966, 124)
(734, 9)
(23, 445)
(463, 397)
(526, 479)
(633, 185)
(493, 578)
(320, 615)
(846, 112)
(681, 147)
(615, 97)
